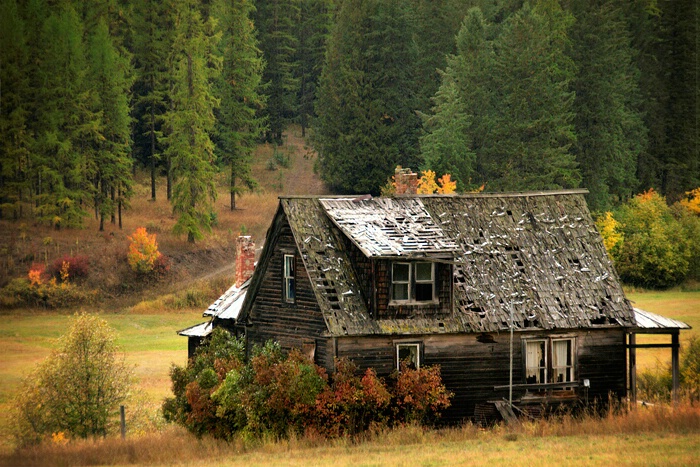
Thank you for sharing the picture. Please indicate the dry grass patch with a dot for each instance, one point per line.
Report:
(653, 436)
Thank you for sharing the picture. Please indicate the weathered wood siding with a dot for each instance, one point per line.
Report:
(472, 369)
(290, 324)
(443, 292)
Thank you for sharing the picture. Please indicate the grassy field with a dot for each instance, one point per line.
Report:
(151, 344)
(149, 341)
(684, 306)
(654, 436)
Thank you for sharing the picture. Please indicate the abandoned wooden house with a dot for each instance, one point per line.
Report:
(512, 294)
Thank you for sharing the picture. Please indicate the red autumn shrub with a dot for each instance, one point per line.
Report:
(69, 267)
(351, 404)
(419, 395)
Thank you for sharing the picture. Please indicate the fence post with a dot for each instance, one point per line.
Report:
(123, 421)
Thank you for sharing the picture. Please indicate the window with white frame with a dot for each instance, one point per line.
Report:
(413, 282)
(288, 279)
(549, 360)
(408, 354)
(562, 360)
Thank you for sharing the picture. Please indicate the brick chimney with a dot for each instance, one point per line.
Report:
(406, 181)
(245, 259)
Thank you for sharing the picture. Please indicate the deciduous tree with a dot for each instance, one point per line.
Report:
(78, 388)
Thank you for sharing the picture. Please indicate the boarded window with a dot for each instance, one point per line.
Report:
(289, 283)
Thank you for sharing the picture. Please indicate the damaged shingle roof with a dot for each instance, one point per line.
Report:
(387, 227)
(538, 253)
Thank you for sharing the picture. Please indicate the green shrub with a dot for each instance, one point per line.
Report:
(656, 251)
(192, 405)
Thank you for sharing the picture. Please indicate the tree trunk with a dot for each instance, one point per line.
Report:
(113, 218)
(119, 206)
(233, 186)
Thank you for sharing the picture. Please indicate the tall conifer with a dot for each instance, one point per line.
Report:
(238, 124)
(15, 97)
(108, 77)
(190, 122)
(611, 135)
(275, 21)
(367, 122)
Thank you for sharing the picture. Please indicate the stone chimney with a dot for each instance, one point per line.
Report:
(245, 259)
(406, 181)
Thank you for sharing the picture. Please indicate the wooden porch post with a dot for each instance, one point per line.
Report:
(674, 365)
(633, 368)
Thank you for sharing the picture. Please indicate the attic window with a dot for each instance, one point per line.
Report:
(289, 283)
(412, 282)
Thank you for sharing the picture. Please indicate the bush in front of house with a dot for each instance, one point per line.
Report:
(277, 395)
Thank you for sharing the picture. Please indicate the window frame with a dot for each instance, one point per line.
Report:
(412, 282)
(417, 345)
(289, 280)
(550, 370)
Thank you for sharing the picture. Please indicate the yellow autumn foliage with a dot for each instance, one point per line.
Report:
(692, 201)
(609, 230)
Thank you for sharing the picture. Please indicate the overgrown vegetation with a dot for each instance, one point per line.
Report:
(654, 435)
(656, 384)
(76, 391)
(653, 244)
(287, 395)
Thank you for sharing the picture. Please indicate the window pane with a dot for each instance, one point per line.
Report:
(399, 292)
(424, 292)
(288, 266)
(289, 290)
(424, 271)
(400, 272)
(408, 353)
(535, 362)
(562, 361)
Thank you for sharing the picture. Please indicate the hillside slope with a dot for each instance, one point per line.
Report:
(25, 243)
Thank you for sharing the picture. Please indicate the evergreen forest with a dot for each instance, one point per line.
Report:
(513, 95)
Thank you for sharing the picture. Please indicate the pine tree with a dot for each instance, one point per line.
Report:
(152, 43)
(531, 134)
(275, 21)
(610, 131)
(66, 127)
(315, 20)
(455, 130)
(15, 96)
(190, 122)
(367, 124)
(108, 77)
(238, 125)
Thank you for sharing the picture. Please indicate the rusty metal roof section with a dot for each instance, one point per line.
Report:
(538, 254)
(389, 227)
(648, 320)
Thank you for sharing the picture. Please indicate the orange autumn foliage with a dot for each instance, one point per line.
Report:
(143, 251)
